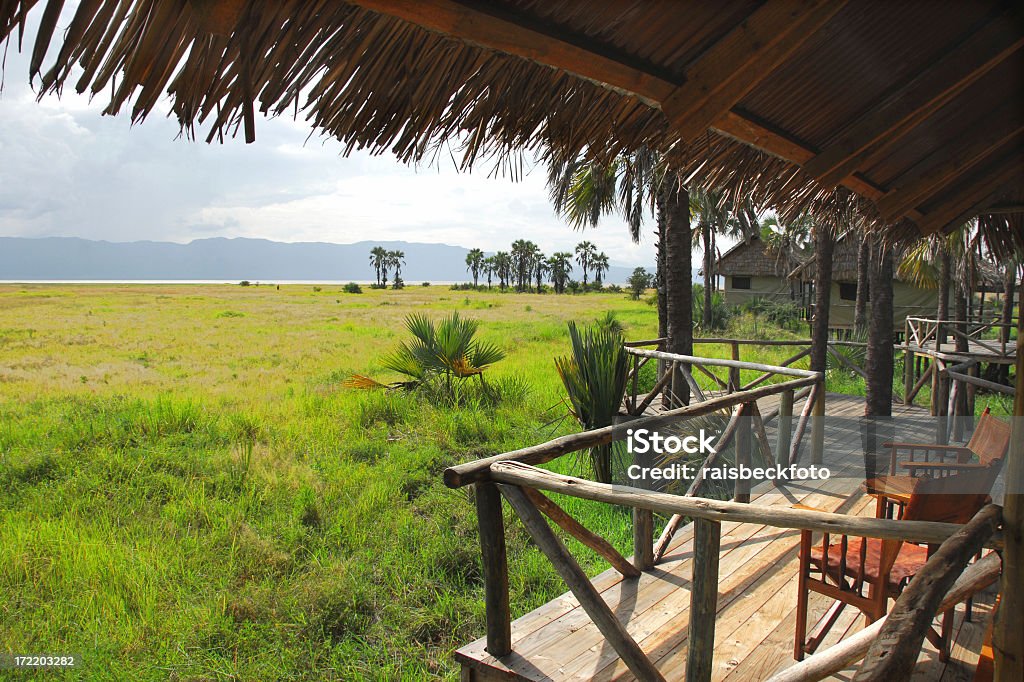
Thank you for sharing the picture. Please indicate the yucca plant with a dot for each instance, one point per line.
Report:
(594, 375)
(438, 353)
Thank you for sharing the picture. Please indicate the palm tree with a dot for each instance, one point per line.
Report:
(560, 265)
(637, 185)
(503, 268)
(585, 252)
(600, 266)
(540, 268)
(522, 262)
(489, 269)
(378, 256)
(474, 261)
(787, 239)
(397, 259)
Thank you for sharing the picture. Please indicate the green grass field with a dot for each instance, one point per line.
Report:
(188, 492)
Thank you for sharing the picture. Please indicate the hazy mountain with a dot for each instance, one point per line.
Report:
(70, 258)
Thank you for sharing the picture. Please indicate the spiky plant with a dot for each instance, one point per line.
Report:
(443, 352)
(594, 376)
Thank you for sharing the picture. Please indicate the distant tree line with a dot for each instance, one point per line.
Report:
(526, 268)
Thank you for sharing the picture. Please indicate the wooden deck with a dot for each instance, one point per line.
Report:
(756, 606)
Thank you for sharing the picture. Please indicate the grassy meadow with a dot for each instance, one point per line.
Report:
(189, 493)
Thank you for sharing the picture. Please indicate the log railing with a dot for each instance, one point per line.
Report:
(514, 478)
(931, 334)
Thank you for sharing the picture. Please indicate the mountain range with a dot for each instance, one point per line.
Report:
(71, 258)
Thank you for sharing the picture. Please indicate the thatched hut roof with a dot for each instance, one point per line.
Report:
(908, 114)
(756, 258)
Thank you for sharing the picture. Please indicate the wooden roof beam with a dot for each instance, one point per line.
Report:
(913, 102)
(991, 135)
(973, 194)
(469, 23)
(734, 65)
(746, 129)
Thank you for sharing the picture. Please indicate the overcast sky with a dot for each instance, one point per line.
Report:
(67, 170)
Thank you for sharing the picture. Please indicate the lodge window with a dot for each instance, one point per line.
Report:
(740, 282)
(848, 291)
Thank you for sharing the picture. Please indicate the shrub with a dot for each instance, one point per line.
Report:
(720, 313)
(317, 290)
(244, 283)
(352, 288)
(425, 284)
(398, 283)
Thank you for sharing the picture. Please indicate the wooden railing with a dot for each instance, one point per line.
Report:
(513, 475)
(931, 334)
(953, 378)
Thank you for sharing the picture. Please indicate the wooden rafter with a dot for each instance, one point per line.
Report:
(973, 194)
(474, 25)
(734, 65)
(991, 135)
(913, 102)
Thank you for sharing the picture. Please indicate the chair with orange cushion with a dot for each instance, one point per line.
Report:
(866, 574)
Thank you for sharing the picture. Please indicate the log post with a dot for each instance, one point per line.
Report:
(581, 587)
(908, 373)
(636, 381)
(785, 427)
(643, 539)
(734, 372)
(818, 426)
(741, 489)
(1008, 634)
(492, 549)
(707, 537)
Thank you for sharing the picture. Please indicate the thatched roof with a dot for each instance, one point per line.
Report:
(756, 258)
(908, 114)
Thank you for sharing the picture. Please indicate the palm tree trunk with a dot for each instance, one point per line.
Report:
(678, 288)
(824, 244)
(706, 321)
(660, 275)
(879, 362)
(942, 310)
(1009, 289)
(863, 260)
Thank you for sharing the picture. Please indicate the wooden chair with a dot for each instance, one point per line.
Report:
(988, 445)
(985, 453)
(866, 574)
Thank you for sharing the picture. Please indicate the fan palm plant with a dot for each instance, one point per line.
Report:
(437, 354)
(594, 376)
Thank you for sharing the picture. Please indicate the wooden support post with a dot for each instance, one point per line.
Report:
(707, 537)
(741, 489)
(785, 427)
(673, 384)
(636, 381)
(908, 375)
(734, 372)
(818, 426)
(1008, 634)
(492, 549)
(762, 436)
(581, 587)
(643, 539)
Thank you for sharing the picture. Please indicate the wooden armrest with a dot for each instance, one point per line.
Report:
(944, 465)
(924, 446)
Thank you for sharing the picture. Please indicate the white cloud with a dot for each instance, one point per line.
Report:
(69, 171)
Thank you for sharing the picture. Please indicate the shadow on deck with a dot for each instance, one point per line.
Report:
(756, 604)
